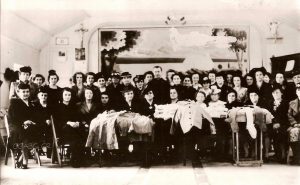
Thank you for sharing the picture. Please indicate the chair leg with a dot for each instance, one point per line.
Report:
(12, 158)
(6, 154)
(38, 159)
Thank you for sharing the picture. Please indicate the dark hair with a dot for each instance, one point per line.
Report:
(241, 78)
(23, 86)
(195, 74)
(148, 73)
(157, 67)
(212, 71)
(232, 91)
(90, 74)
(52, 73)
(104, 93)
(67, 89)
(78, 73)
(39, 76)
(220, 74)
(187, 76)
(284, 78)
(176, 74)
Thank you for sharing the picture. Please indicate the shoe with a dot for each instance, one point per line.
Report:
(18, 164)
(24, 166)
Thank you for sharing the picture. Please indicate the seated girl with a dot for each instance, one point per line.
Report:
(69, 129)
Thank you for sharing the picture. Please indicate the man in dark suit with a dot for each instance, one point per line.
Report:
(159, 86)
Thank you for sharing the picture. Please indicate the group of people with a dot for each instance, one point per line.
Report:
(34, 101)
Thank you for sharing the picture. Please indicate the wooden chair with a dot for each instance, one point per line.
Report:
(58, 150)
(11, 151)
(7, 149)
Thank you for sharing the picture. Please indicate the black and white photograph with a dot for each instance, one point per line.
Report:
(150, 92)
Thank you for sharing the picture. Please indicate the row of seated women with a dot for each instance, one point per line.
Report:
(74, 108)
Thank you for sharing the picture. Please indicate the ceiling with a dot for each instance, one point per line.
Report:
(39, 20)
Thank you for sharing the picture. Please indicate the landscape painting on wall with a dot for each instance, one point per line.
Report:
(186, 47)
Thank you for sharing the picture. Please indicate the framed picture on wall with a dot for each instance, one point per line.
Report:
(180, 47)
(62, 41)
(62, 56)
(79, 54)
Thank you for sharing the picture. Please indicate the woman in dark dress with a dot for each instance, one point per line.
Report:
(78, 88)
(69, 128)
(53, 90)
(279, 126)
(21, 123)
(87, 110)
(43, 117)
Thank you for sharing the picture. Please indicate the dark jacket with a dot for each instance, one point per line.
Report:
(233, 104)
(147, 109)
(224, 91)
(135, 106)
(41, 115)
(280, 114)
(265, 91)
(77, 95)
(160, 89)
(18, 113)
(86, 115)
(54, 96)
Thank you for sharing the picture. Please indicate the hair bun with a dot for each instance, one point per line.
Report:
(52, 72)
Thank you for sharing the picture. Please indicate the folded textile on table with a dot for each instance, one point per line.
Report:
(102, 131)
(251, 116)
(128, 122)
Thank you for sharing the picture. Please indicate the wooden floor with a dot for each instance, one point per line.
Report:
(128, 174)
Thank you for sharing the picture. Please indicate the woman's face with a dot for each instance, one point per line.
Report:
(200, 98)
(53, 80)
(259, 76)
(149, 95)
(237, 81)
(140, 84)
(79, 78)
(173, 94)
(88, 94)
(279, 78)
(23, 76)
(277, 94)
(126, 80)
(43, 96)
(231, 97)
(101, 82)
(104, 99)
(176, 80)
(206, 85)
(148, 78)
(23, 94)
(128, 96)
(253, 98)
(249, 80)
(38, 81)
(90, 79)
(195, 78)
(214, 97)
(187, 82)
(267, 79)
(66, 96)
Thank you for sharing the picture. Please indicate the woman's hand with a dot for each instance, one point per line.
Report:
(276, 125)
